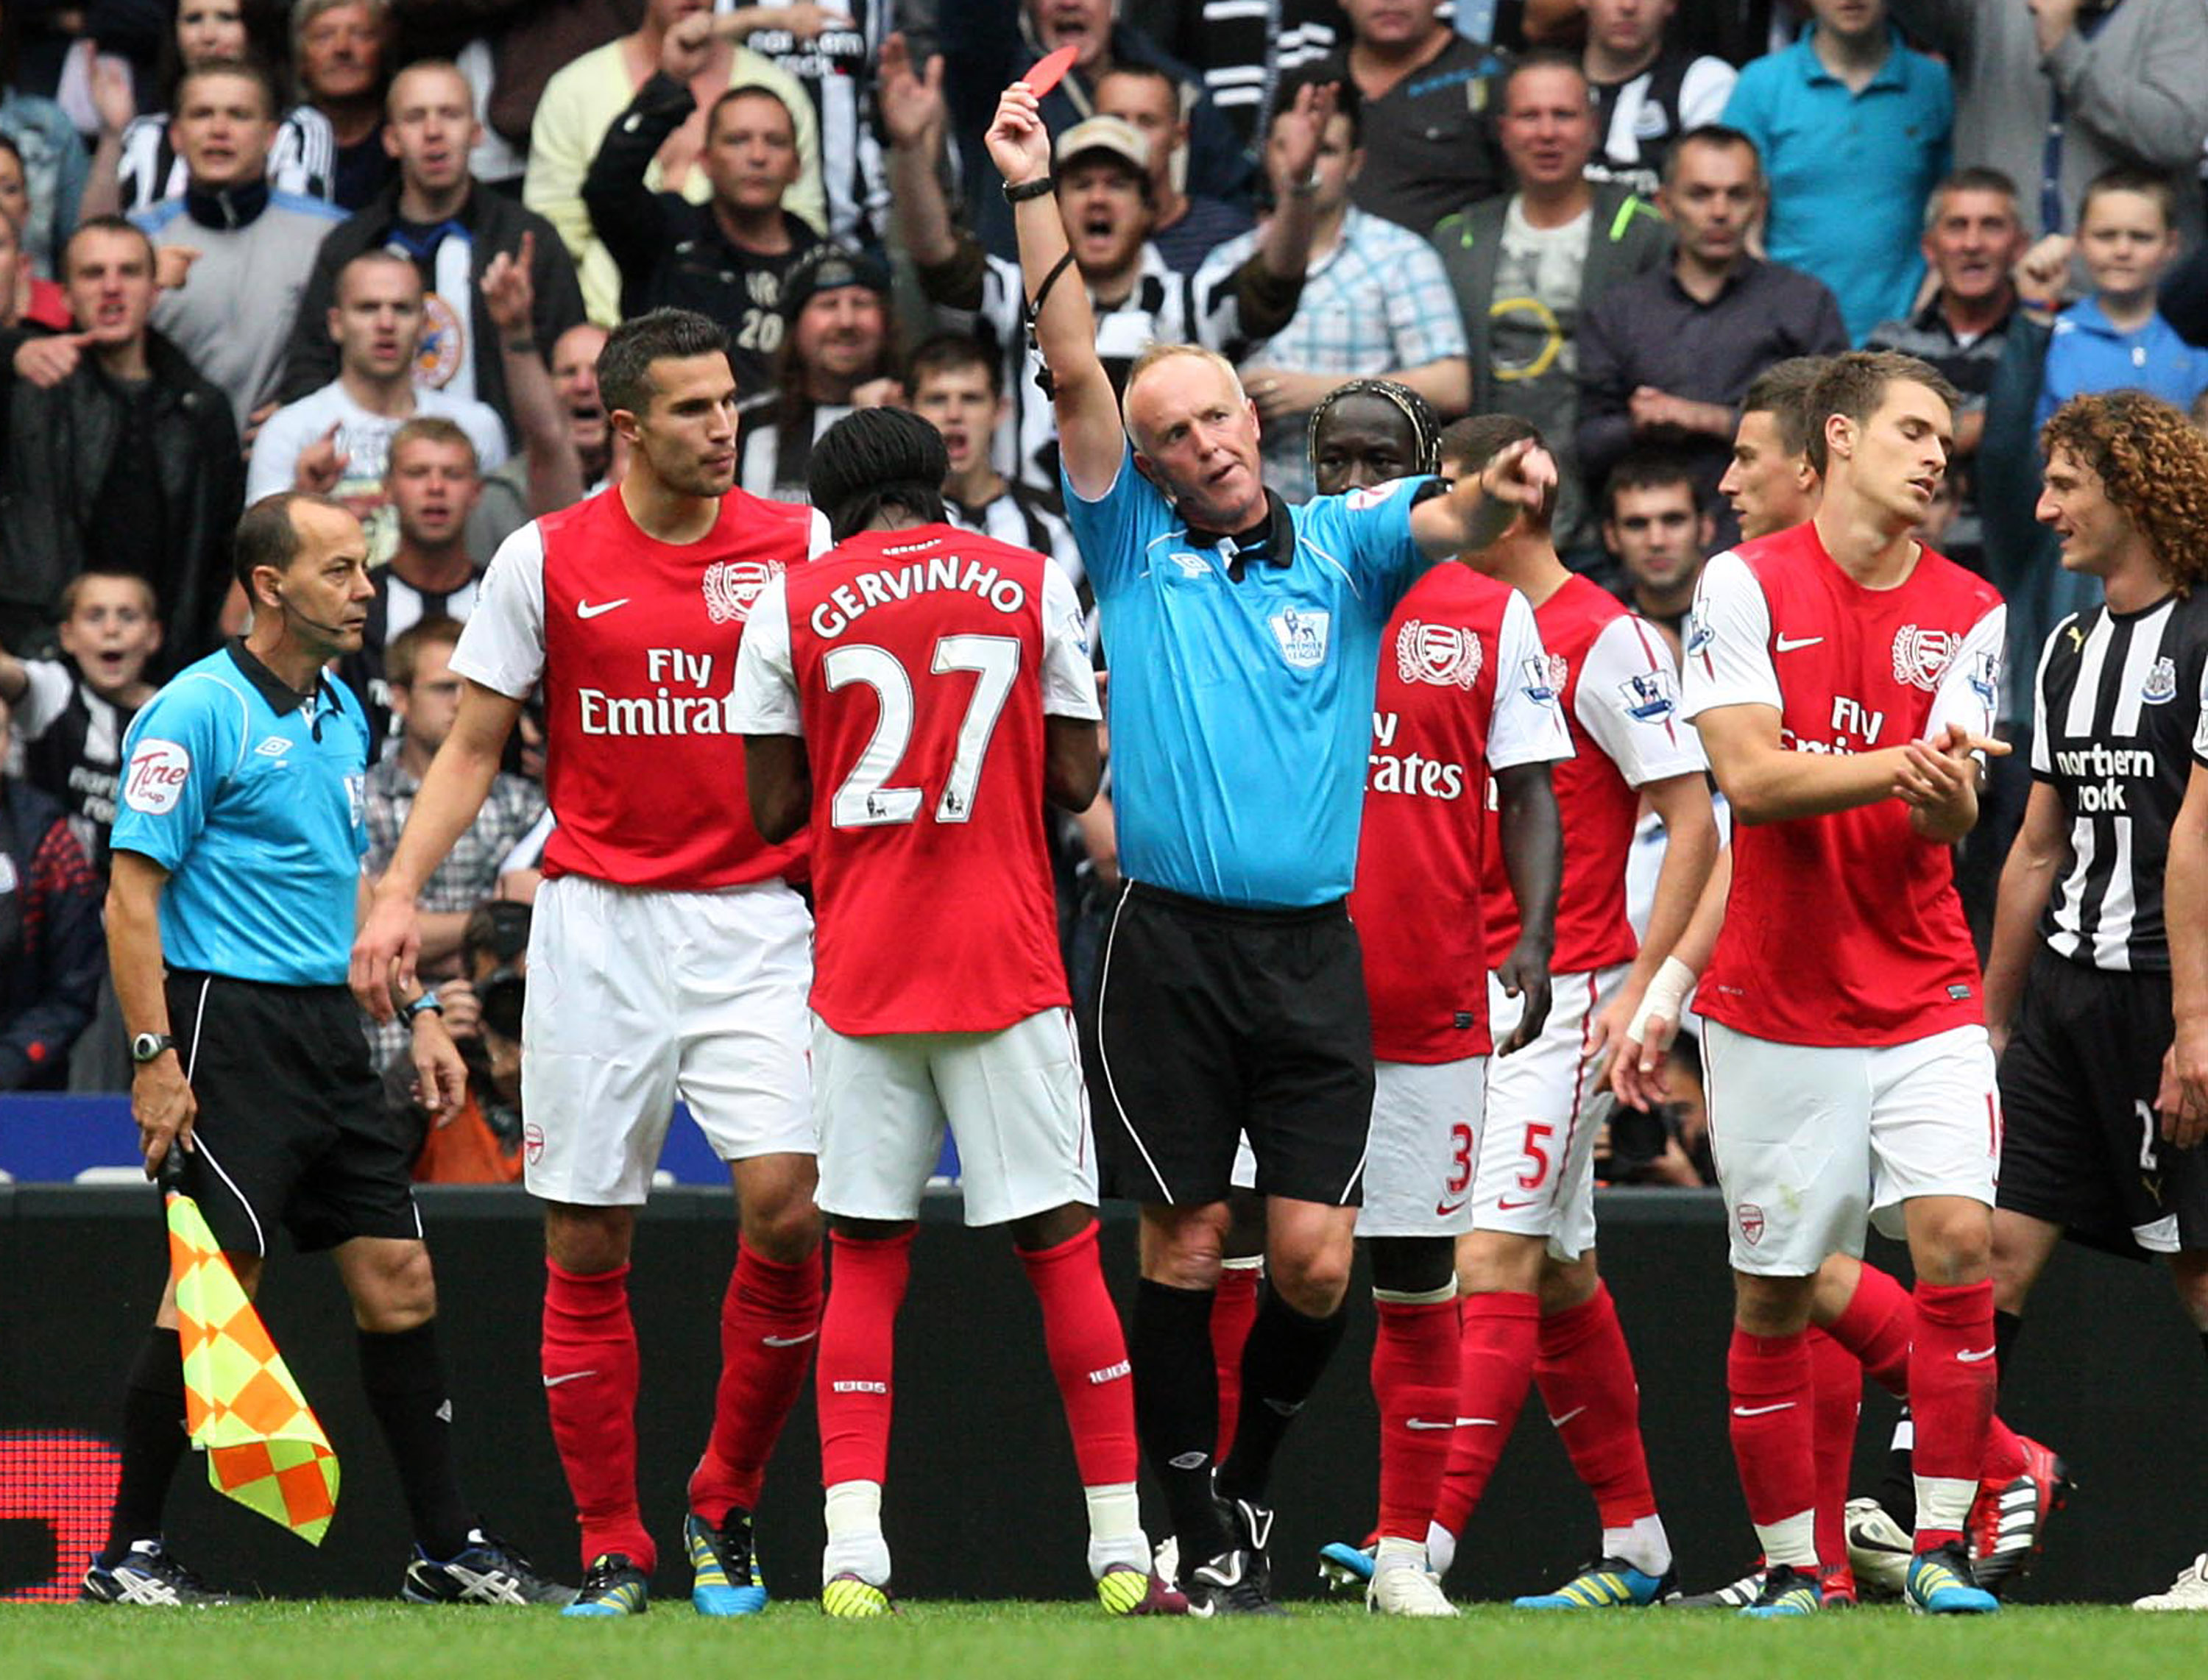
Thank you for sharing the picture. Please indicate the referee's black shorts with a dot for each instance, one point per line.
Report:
(1210, 1020)
(2081, 1144)
(292, 1128)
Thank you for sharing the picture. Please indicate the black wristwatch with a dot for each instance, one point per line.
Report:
(427, 1004)
(150, 1046)
(1038, 188)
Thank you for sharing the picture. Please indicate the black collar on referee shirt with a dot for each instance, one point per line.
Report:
(281, 696)
(1272, 539)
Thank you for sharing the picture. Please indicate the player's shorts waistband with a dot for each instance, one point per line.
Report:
(269, 988)
(1245, 916)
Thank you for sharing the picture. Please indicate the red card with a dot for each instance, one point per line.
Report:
(1050, 69)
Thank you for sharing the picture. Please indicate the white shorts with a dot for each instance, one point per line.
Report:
(639, 998)
(1419, 1156)
(1812, 1141)
(1014, 1099)
(1545, 1108)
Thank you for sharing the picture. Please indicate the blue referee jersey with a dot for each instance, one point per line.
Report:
(1241, 709)
(250, 795)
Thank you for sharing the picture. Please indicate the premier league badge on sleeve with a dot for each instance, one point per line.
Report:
(1648, 696)
(1698, 633)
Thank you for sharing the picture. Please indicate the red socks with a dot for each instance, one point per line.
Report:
(1768, 1379)
(769, 1318)
(1088, 1356)
(858, 1348)
(1500, 1339)
(1585, 1375)
(589, 1367)
(1414, 1381)
(1837, 1377)
(1234, 1310)
(1877, 1329)
(1951, 1396)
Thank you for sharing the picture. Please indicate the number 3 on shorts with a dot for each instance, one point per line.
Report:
(1460, 1142)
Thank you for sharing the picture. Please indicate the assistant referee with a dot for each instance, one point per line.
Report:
(1245, 635)
(235, 890)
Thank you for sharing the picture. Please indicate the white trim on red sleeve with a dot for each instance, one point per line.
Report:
(1527, 726)
(763, 700)
(1729, 641)
(1627, 701)
(1069, 676)
(502, 644)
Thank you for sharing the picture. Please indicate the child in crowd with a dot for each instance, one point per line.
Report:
(2117, 337)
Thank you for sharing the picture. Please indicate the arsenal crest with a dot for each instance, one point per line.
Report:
(1750, 1219)
(731, 586)
(1441, 654)
(1921, 658)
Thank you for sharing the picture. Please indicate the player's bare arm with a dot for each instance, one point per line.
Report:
(160, 1100)
(1533, 838)
(1477, 511)
(1766, 781)
(2027, 879)
(1091, 442)
(778, 784)
(1072, 764)
(1636, 1072)
(1690, 852)
(2183, 1101)
(384, 953)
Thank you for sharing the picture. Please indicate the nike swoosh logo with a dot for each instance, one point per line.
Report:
(590, 609)
(1559, 1423)
(554, 1381)
(1968, 1358)
(1788, 644)
(1758, 1411)
(1444, 1209)
(789, 1340)
(1513, 1206)
(1430, 1423)
(1472, 1423)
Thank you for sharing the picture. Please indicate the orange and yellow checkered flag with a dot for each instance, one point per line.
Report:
(264, 1446)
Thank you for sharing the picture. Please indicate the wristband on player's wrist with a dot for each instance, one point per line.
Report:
(1667, 995)
(427, 1004)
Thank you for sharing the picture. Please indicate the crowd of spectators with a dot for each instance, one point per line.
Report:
(372, 247)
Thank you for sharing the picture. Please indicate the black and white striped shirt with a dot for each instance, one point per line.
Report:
(1163, 307)
(836, 67)
(2117, 724)
(1027, 518)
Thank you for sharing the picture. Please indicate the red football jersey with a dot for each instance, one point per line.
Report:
(919, 665)
(1618, 691)
(1463, 688)
(635, 643)
(1842, 929)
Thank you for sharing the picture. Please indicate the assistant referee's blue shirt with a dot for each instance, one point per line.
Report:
(1241, 711)
(250, 795)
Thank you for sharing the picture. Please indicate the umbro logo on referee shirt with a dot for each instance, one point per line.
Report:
(274, 747)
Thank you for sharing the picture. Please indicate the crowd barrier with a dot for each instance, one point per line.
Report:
(982, 1499)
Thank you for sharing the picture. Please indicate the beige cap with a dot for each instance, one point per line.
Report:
(1113, 134)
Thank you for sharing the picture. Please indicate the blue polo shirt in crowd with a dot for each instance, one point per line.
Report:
(1849, 172)
(250, 795)
(2087, 355)
(1241, 708)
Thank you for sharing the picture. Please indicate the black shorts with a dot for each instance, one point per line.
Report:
(1211, 1021)
(2081, 1144)
(292, 1127)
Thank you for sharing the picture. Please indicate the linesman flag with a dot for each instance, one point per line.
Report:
(264, 1446)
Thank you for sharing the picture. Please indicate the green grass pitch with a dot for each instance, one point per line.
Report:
(357, 1640)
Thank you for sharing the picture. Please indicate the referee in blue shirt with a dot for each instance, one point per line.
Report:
(1244, 636)
(235, 888)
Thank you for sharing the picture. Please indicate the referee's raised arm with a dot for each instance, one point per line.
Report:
(1091, 443)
